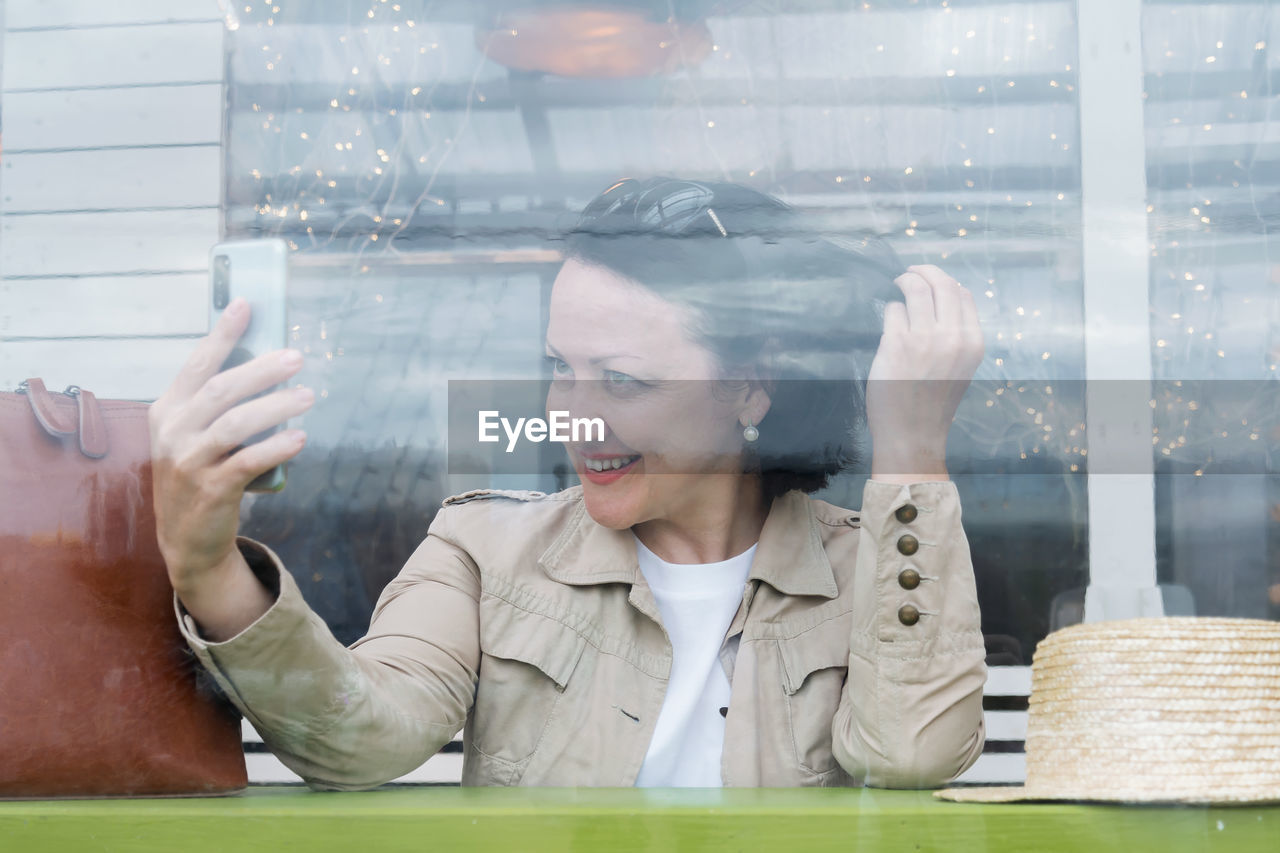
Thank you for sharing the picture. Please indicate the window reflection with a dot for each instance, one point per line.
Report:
(421, 182)
(1211, 148)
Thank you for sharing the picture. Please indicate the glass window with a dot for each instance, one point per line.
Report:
(420, 165)
(1212, 147)
(424, 160)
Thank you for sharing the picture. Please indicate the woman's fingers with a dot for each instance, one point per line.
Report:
(972, 328)
(226, 389)
(918, 294)
(210, 353)
(957, 331)
(945, 290)
(957, 318)
(895, 319)
(243, 465)
(235, 426)
(935, 334)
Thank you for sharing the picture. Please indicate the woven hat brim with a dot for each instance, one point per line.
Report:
(1022, 794)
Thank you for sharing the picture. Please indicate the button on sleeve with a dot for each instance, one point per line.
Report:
(916, 548)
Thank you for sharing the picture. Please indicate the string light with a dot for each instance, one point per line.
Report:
(1023, 342)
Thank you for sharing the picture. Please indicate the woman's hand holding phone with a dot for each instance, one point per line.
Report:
(199, 476)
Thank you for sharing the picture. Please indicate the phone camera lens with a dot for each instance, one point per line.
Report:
(221, 281)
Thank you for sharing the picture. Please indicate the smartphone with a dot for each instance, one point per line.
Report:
(258, 271)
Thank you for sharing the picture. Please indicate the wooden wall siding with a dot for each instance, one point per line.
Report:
(105, 306)
(159, 55)
(110, 187)
(118, 179)
(109, 118)
(124, 368)
(31, 14)
(58, 245)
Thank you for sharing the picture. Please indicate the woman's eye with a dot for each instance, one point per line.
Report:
(622, 384)
(557, 366)
(613, 377)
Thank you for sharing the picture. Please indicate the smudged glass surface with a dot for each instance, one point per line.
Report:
(1212, 81)
(422, 185)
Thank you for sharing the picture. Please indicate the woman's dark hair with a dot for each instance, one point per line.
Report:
(772, 298)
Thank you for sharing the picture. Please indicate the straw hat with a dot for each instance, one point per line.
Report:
(1172, 710)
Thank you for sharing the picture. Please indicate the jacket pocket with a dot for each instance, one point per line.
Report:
(815, 665)
(526, 660)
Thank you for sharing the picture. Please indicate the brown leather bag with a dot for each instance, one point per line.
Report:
(99, 695)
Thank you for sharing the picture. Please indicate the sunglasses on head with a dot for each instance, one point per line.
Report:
(670, 207)
(674, 207)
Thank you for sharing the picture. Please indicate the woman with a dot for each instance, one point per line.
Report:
(687, 616)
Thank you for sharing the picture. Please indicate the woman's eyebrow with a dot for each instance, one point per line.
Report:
(555, 352)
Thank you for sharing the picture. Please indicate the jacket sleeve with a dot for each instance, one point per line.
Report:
(912, 716)
(353, 718)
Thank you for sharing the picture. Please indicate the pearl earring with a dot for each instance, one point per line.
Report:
(750, 433)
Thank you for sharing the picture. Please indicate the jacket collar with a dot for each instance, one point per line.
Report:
(790, 556)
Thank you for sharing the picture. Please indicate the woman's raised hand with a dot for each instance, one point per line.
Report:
(931, 346)
(198, 480)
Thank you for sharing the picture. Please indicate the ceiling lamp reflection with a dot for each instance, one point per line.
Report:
(593, 41)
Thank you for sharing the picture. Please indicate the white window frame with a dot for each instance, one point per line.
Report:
(1116, 271)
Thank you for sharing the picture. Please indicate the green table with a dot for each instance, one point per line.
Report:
(621, 819)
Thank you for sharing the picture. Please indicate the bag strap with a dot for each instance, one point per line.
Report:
(91, 428)
(47, 415)
(93, 431)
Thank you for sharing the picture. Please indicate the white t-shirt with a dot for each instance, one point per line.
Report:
(697, 601)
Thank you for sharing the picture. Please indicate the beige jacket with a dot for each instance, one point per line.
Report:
(523, 620)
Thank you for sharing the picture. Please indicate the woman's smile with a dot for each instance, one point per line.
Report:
(603, 469)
